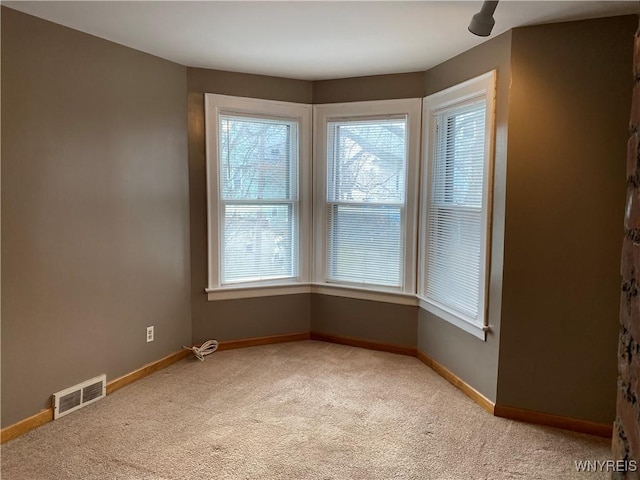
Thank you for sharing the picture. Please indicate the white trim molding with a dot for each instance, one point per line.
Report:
(477, 330)
(321, 289)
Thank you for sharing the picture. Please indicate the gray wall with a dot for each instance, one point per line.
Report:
(243, 318)
(568, 128)
(95, 226)
(475, 361)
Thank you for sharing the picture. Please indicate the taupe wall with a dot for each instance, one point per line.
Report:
(244, 318)
(95, 226)
(473, 360)
(566, 188)
(375, 87)
(202, 80)
(364, 320)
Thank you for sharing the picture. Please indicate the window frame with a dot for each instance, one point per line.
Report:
(483, 86)
(216, 105)
(322, 115)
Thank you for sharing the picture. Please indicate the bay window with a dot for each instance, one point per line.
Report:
(346, 223)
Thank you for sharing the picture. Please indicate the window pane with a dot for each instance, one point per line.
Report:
(259, 242)
(367, 160)
(453, 259)
(454, 210)
(366, 171)
(459, 156)
(365, 244)
(258, 158)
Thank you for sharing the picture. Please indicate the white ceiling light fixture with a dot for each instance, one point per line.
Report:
(482, 22)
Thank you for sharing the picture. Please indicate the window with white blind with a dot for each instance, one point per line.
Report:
(366, 183)
(258, 184)
(458, 149)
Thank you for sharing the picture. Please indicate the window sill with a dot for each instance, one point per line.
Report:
(230, 293)
(474, 329)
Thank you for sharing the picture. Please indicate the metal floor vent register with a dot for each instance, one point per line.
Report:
(72, 398)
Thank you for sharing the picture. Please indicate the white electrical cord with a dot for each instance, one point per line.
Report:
(207, 348)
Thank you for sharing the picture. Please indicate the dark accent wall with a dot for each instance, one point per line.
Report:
(238, 318)
(568, 130)
(471, 359)
(95, 225)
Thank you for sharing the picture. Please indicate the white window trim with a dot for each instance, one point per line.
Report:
(375, 295)
(230, 293)
(215, 105)
(338, 111)
(322, 289)
(481, 86)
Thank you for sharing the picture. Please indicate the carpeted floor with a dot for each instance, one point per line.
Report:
(295, 411)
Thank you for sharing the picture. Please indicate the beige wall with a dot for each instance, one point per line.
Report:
(95, 226)
(566, 188)
(473, 360)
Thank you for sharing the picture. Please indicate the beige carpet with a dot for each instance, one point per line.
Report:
(304, 410)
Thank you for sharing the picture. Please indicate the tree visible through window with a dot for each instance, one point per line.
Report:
(258, 197)
(365, 205)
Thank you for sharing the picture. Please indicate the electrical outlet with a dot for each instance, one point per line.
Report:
(150, 334)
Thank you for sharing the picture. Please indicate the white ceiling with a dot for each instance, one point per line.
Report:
(305, 39)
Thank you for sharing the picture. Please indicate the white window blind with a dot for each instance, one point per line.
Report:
(258, 185)
(454, 210)
(366, 171)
